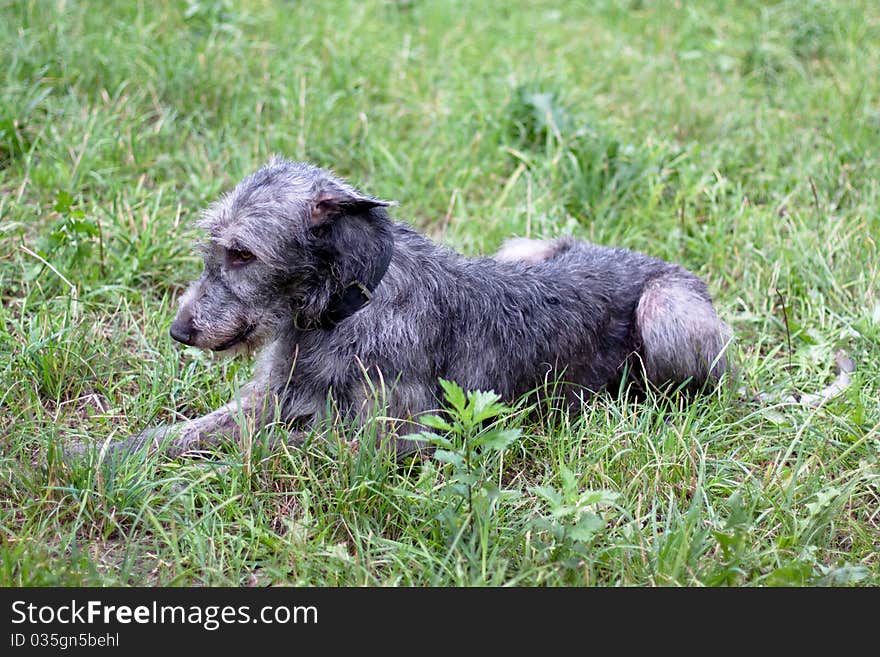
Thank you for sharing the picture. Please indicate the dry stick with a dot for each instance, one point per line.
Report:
(301, 138)
(74, 297)
(816, 205)
(795, 393)
(528, 205)
(681, 221)
(101, 246)
(448, 216)
(815, 194)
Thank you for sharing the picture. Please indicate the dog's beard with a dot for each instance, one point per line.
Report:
(254, 337)
(241, 349)
(244, 348)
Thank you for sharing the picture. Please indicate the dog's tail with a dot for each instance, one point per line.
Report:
(682, 337)
(527, 251)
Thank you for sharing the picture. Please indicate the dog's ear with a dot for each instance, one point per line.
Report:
(333, 203)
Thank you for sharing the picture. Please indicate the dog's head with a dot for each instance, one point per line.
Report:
(277, 247)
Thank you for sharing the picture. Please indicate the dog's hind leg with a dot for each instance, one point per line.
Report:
(682, 336)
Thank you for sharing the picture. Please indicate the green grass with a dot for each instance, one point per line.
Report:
(740, 139)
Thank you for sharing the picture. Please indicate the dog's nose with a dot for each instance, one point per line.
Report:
(182, 330)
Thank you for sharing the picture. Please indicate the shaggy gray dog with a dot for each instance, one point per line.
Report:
(349, 308)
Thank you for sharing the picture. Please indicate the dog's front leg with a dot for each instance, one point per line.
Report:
(252, 409)
(250, 412)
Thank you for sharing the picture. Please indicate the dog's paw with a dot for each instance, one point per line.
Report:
(174, 440)
(76, 451)
(150, 440)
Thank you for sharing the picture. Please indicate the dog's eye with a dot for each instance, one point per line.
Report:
(238, 257)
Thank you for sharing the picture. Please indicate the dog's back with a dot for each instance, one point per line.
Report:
(581, 315)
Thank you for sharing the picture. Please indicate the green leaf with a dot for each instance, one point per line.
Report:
(824, 498)
(491, 491)
(548, 494)
(440, 441)
(564, 511)
(796, 573)
(467, 479)
(591, 497)
(83, 227)
(63, 202)
(548, 114)
(498, 439)
(445, 456)
(738, 516)
(425, 437)
(586, 527)
(435, 422)
(775, 417)
(484, 405)
(542, 524)
(569, 482)
(461, 490)
(454, 395)
(729, 543)
(845, 575)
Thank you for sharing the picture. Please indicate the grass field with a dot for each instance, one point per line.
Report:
(741, 139)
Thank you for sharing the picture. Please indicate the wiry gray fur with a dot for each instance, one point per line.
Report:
(563, 310)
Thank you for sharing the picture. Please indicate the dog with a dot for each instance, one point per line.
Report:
(342, 302)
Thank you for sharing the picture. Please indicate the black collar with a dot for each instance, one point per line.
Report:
(358, 293)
